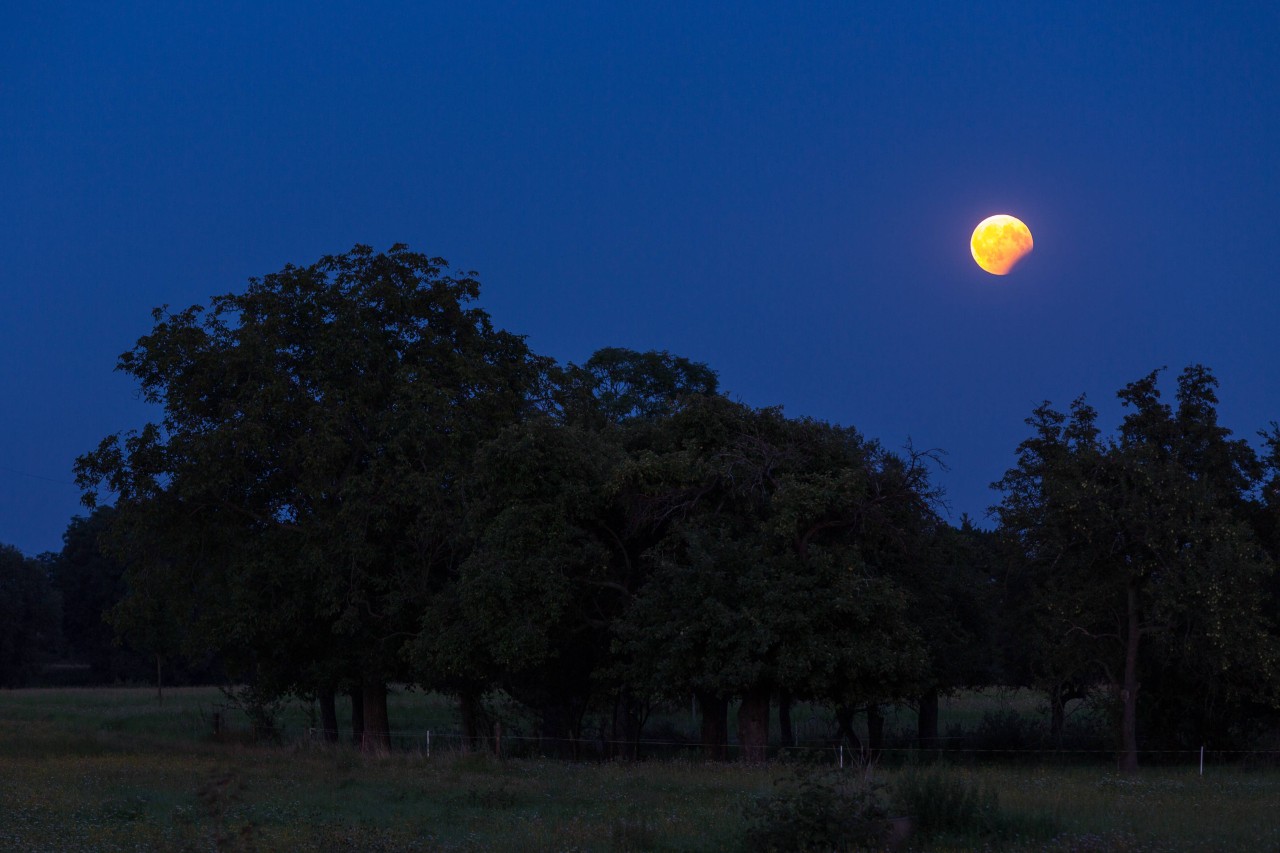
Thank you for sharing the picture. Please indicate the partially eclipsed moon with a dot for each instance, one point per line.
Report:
(999, 242)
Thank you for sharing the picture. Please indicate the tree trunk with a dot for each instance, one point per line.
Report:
(1129, 688)
(627, 724)
(357, 717)
(328, 715)
(787, 734)
(844, 727)
(927, 720)
(469, 711)
(715, 725)
(377, 726)
(875, 732)
(1057, 714)
(556, 730)
(753, 726)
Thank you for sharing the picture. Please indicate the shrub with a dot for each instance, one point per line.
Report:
(817, 809)
(262, 708)
(1005, 730)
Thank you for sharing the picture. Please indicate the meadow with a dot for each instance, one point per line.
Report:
(113, 769)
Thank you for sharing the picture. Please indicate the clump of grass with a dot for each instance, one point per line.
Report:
(946, 804)
(817, 808)
(943, 802)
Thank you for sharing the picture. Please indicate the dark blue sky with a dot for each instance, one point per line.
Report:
(784, 191)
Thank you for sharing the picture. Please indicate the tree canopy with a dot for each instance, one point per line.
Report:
(1143, 558)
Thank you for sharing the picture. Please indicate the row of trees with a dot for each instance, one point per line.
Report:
(357, 480)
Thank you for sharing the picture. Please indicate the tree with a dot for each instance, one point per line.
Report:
(524, 611)
(30, 612)
(556, 536)
(954, 601)
(307, 478)
(773, 573)
(620, 386)
(1139, 543)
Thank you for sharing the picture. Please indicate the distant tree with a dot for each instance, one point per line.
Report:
(91, 584)
(30, 613)
(308, 476)
(1140, 545)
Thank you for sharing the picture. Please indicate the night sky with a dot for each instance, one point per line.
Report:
(783, 191)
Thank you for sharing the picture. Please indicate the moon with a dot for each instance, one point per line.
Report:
(999, 242)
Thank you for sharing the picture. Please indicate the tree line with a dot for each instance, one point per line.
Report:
(357, 480)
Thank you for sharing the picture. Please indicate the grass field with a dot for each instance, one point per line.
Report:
(111, 770)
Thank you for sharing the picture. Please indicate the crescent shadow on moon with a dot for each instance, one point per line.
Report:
(999, 242)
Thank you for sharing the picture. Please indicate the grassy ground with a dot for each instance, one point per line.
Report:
(111, 770)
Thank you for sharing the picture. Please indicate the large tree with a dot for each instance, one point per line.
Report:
(1139, 543)
(556, 538)
(775, 573)
(305, 482)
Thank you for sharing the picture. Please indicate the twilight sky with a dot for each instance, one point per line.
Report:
(784, 191)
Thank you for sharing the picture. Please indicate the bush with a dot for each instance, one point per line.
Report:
(1006, 730)
(817, 809)
(262, 708)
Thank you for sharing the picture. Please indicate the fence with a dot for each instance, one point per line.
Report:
(515, 745)
(814, 738)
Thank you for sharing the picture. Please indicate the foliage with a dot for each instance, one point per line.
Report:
(618, 386)
(91, 584)
(30, 616)
(777, 567)
(262, 709)
(304, 489)
(817, 809)
(527, 608)
(1138, 553)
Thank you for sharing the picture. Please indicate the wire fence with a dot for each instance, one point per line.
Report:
(814, 740)
(427, 743)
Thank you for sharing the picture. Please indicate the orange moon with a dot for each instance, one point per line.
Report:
(999, 242)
